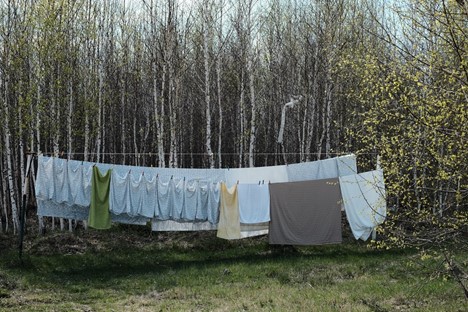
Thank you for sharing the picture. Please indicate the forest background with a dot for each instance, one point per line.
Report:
(203, 84)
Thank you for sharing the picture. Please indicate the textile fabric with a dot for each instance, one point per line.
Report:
(99, 215)
(305, 213)
(229, 224)
(364, 201)
(254, 203)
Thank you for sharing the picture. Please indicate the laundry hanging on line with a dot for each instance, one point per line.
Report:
(191, 194)
(364, 201)
(305, 213)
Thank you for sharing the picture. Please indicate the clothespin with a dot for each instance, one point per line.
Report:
(237, 181)
(259, 182)
(142, 173)
(263, 181)
(172, 176)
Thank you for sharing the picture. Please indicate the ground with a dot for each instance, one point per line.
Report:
(132, 269)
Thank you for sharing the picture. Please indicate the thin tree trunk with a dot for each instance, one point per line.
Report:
(220, 111)
(4, 195)
(207, 90)
(11, 186)
(253, 120)
(242, 121)
(329, 88)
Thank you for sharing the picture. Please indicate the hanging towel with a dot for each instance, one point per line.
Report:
(178, 195)
(120, 193)
(305, 171)
(76, 184)
(48, 208)
(229, 224)
(60, 181)
(165, 198)
(347, 165)
(208, 202)
(254, 203)
(170, 225)
(364, 201)
(99, 215)
(305, 213)
(214, 200)
(322, 169)
(271, 174)
(252, 230)
(45, 178)
(150, 198)
(191, 199)
(327, 169)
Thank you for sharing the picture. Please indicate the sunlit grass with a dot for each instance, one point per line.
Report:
(132, 269)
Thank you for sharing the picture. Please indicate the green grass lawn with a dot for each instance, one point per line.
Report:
(132, 269)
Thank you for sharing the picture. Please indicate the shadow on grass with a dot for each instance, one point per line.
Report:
(154, 260)
(126, 258)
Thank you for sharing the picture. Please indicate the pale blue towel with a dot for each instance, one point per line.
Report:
(364, 201)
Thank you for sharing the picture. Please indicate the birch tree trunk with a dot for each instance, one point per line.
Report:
(220, 111)
(242, 119)
(329, 98)
(206, 56)
(4, 195)
(253, 119)
(7, 138)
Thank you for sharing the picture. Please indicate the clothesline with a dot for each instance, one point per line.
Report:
(178, 204)
(205, 154)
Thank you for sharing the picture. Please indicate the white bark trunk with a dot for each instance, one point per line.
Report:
(206, 56)
(218, 86)
(220, 111)
(162, 158)
(4, 195)
(242, 121)
(100, 95)
(253, 120)
(329, 98)
(11, 186)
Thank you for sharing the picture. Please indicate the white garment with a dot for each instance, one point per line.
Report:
(254, 203)
(119, 195)
(208, 202)
(60, 181)
(327, 169)
(364, 201)
(252, 230)
(76, 184)
(44, 178)
(273, 174)
(150, 198)
(170, 198)
(347, 165)
(179, 199)
(170, 225)
(322, 169)
(191, 198)
(165, 198)
(48, 208)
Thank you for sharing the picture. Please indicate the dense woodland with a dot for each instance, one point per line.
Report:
(205, 83)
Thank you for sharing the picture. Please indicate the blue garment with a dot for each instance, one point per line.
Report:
(254, 203)
(364, 201)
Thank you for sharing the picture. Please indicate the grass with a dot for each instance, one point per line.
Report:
(131, 269)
